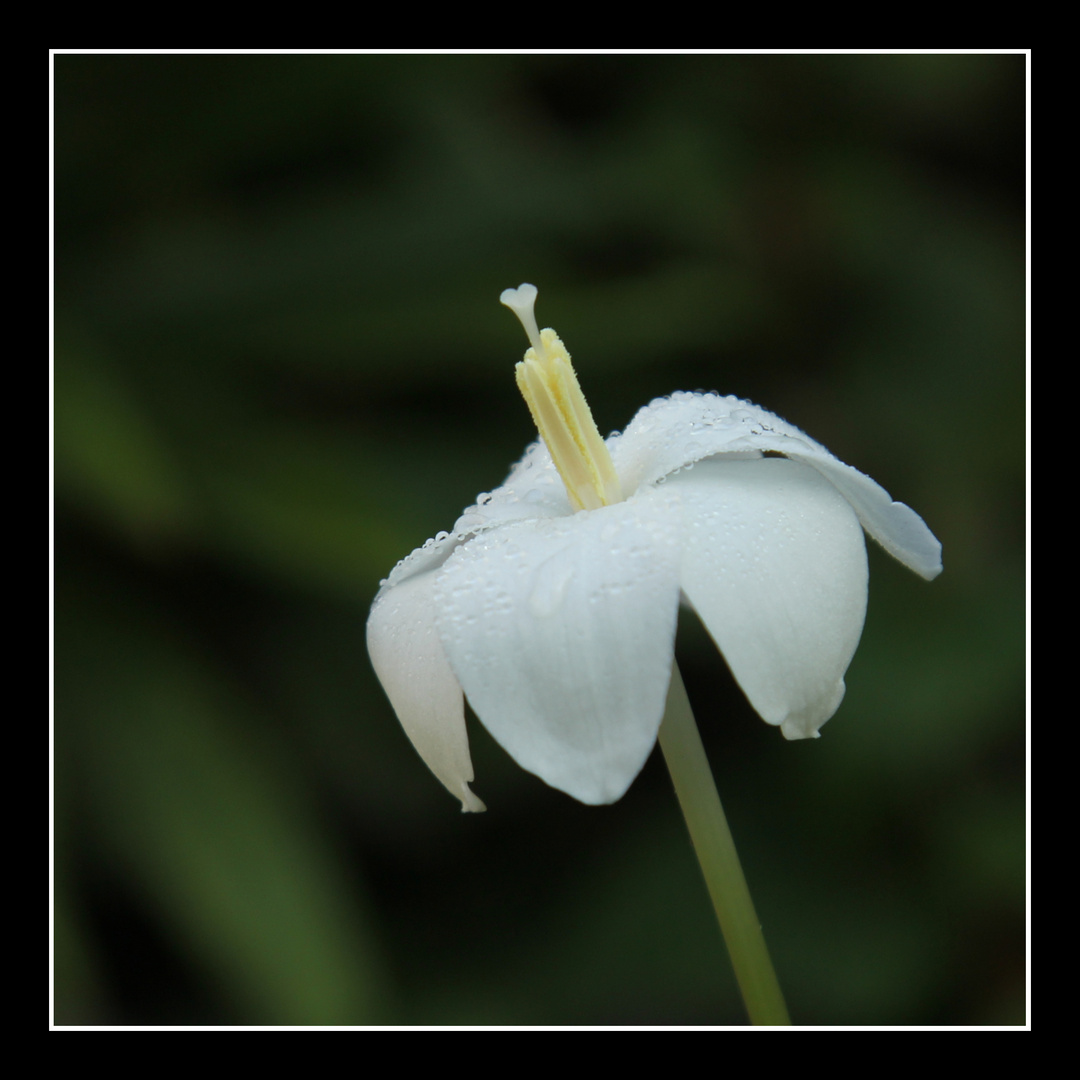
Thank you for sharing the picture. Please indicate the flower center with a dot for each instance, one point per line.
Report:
(547, 381)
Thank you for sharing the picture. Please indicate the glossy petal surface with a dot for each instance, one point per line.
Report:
(774, 563)
(562, 634)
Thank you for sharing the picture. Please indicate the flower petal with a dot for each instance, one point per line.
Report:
(673, 432)
(533, 489)
(561, 632)
(421, 560)
(670, 433)
(894, 525)
(409, 660)
(775, 565)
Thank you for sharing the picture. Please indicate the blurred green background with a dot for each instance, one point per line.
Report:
(281, 364)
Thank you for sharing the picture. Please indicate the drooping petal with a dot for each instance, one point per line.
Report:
(561, 632)
(409, 660)
(774, 563)
(894, 525)
(670, 433)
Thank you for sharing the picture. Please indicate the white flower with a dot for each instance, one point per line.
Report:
(558, 623)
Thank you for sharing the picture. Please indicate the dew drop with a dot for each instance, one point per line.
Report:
(552, 579)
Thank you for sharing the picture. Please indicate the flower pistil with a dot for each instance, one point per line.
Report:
(549, 385)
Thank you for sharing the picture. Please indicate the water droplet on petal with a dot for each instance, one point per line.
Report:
(551, 581)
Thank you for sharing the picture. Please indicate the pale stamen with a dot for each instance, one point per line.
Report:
(549, 385)
(520, 301)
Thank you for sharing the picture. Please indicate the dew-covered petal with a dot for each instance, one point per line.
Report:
(774, 563)
(533, 489)
(672, 432)
(561, 632)
(431, 555)
(408, 658)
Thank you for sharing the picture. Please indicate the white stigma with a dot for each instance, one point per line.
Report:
(520, 301)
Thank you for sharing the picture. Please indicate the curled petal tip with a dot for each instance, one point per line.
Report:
(933, 567)
(793, 731)
(470, 804)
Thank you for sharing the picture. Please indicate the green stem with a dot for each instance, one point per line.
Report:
(715, 848)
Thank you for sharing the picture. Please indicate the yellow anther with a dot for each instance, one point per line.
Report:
(547, 381)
